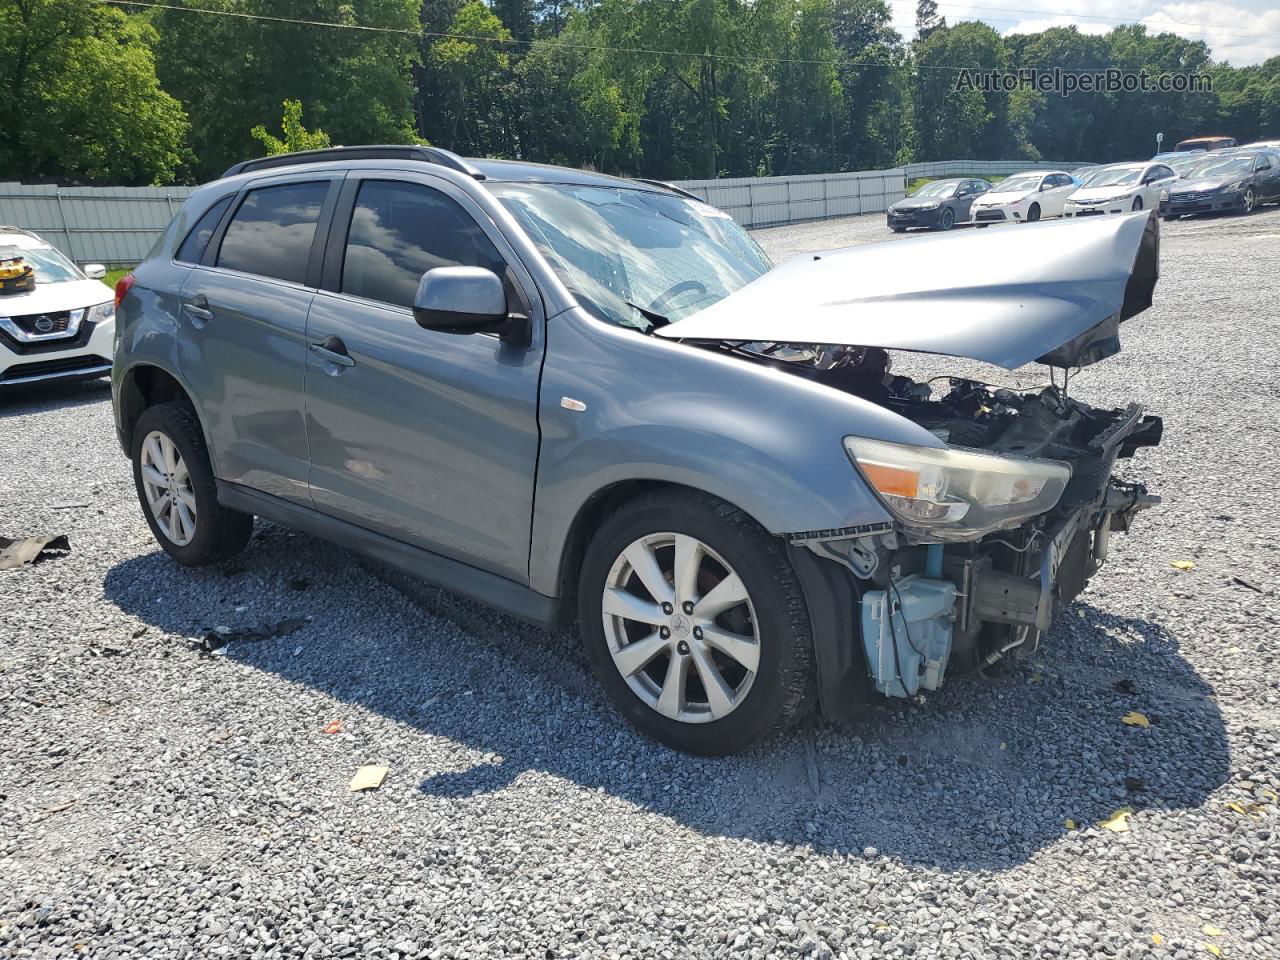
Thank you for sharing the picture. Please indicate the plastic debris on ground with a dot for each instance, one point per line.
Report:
(31, 550)
(368, 778)
(219, 638)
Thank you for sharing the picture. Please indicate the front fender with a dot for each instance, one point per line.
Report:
(761, 439)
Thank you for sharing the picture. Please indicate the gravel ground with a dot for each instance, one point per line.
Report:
(155, 801)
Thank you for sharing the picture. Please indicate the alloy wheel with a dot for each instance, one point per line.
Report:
(1250, 200)
(681, 628)
(166, 483)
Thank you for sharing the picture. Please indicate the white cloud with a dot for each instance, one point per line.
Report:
(1243, 32)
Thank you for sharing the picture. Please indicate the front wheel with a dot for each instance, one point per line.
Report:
(1034, 213)
(948, 219)
(174, 480)
(695, 624)
(1250, 200)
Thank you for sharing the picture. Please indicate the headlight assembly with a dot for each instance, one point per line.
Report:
(102, 312)
(1232, 187)
(955, 494)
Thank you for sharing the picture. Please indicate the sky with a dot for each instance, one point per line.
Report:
(1238, 31)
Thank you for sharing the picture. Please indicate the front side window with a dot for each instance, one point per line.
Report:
(399, 231)
(193, 247)
(636, 258)
(272, 231)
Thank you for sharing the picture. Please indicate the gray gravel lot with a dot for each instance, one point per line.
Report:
(158, 802)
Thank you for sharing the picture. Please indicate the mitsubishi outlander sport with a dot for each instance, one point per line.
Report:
(574, 396)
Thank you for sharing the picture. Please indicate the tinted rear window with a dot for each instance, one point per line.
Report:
(193, 247)
(271, 233)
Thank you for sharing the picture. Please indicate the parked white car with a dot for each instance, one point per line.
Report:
(1121, 188)
(1024, 197)
(63, 327)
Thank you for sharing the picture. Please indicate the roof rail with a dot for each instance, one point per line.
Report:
(443, 158)
(669, 186)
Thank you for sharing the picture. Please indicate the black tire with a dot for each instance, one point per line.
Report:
(1137, 203)
(783, 683)
(220, 533)
(1169, 219)
(897, 229)
(1033, 215)
(948, 219)
(983, 226)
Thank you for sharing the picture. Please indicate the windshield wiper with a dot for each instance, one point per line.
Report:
(657, 319)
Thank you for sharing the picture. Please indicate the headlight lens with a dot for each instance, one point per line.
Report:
(1164, 194)
(931, 206)
(953, 493)
(102, 312)
(1232, 187)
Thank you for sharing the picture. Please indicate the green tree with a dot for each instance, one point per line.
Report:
(81, 99)
(471, 83)
(296, 136)
(231, 73)
(953, 119)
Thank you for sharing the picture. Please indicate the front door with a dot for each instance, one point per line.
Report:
(243, 315)
(427, 437)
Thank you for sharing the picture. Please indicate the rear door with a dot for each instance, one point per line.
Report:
(427, 437)
(243, 315)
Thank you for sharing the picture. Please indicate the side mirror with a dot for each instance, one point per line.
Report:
(462, 300)
(94, 271)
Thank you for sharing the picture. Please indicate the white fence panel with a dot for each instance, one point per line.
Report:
(117, 225)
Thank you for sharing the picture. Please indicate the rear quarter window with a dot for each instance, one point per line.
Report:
(197, 239)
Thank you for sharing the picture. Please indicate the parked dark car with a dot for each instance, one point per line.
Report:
(938, 205)
(1226, 183)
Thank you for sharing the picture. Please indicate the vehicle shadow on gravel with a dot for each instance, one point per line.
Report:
(41, 397)
(982, 776)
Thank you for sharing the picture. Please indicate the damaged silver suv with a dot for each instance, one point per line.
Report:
(574, 396)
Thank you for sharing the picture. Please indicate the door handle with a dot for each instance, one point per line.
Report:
(332, 350)
(197, 311)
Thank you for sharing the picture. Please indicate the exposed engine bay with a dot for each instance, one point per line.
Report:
(935, 598)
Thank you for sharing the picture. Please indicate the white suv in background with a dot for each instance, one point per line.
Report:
(1024, 197)
(61, 329)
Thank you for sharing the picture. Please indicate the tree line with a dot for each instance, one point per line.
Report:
(134, 94)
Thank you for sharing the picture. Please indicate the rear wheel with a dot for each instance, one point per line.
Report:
(1034, 213)
(174, 480)
(695, 624)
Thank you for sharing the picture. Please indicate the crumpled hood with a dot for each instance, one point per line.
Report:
(55, 297)
(1053, 292)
